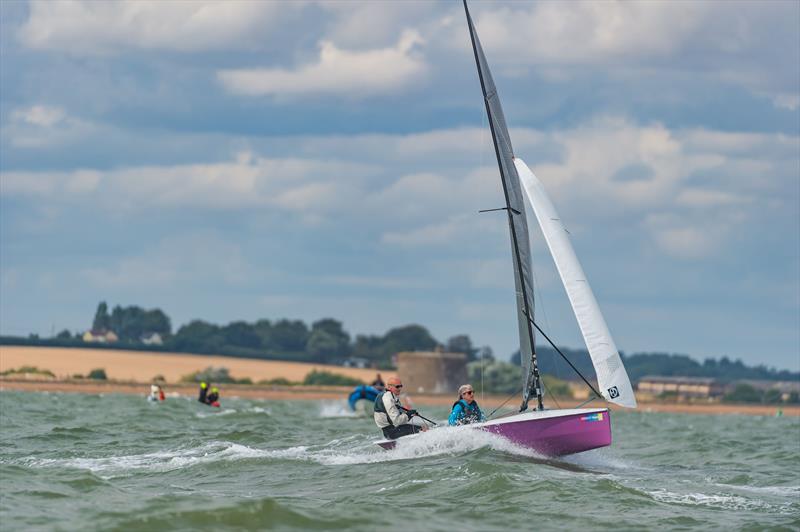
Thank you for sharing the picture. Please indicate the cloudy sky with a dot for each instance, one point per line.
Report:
(243, 160)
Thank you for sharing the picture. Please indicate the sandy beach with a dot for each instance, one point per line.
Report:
(130, 372)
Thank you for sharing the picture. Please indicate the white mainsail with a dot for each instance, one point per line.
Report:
(611, 375)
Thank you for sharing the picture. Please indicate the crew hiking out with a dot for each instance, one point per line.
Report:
(390, 416)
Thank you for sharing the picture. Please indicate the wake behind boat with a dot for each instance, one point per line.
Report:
(561, 431)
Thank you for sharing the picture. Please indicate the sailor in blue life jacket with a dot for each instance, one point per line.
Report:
(203, 392)
(466, 409)
(390, 416)
(362, 391)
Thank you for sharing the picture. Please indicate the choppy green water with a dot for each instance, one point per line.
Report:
(117, 462)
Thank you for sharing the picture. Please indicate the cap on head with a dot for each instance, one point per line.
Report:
(203, 385)
(464, 388)
(215, 389)
(394, 381)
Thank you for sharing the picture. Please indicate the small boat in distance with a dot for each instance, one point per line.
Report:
(156, 394)
(362, 399)
(561, 431)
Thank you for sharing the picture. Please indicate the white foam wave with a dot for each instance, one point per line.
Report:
(163, 461)
(402, 485)
(220, 412)
(335, 410)
(445, 440)
(602, 459)
(226, 411)
(783, 491)
(726, 502)
(350, 450)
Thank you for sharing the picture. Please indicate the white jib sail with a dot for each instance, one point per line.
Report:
(611, 376)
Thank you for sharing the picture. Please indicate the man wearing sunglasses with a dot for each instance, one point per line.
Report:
(390, 416)
(466, 409)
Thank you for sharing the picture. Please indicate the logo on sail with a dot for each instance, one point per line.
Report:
(613, 392)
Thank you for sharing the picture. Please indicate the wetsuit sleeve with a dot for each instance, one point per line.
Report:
(395, 414)
(455, 414)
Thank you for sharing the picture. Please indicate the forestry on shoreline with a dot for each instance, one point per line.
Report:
(131, 373)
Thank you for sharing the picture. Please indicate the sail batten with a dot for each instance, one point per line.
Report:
(612, 378)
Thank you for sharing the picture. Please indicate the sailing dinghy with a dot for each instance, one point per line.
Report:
(561, 431)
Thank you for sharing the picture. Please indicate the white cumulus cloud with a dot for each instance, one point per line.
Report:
(583, 31)
(666, 182)
(244, 182)
(39, 115)
(42, 125)
(97, 28)
(752, 44)
(350, 73)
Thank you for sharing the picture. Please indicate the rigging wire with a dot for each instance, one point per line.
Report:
(586, 402)
(598, 394)
(540, 304)
(552, 396)
(482, 153)
(483, 372)
(510, 397)
(542, 311)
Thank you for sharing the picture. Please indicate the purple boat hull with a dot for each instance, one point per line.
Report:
(549, 432)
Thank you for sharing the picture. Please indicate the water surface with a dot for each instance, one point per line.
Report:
(117, 462)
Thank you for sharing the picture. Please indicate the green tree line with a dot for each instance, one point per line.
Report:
(327, 341)
(639, 365)
(324, 341)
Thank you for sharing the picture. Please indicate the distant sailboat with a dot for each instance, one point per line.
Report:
(563, 431)
(362, 398)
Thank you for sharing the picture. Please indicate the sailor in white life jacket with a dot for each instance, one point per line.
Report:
(390, 416)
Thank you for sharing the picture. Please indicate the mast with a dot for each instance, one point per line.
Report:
(517, 223)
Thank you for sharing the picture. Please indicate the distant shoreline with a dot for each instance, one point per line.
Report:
(130, 372)
(145, 366)
(339, 393)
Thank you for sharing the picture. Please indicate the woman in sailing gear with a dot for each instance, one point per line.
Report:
(466, 409)
(390, 416)
(203, 392)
